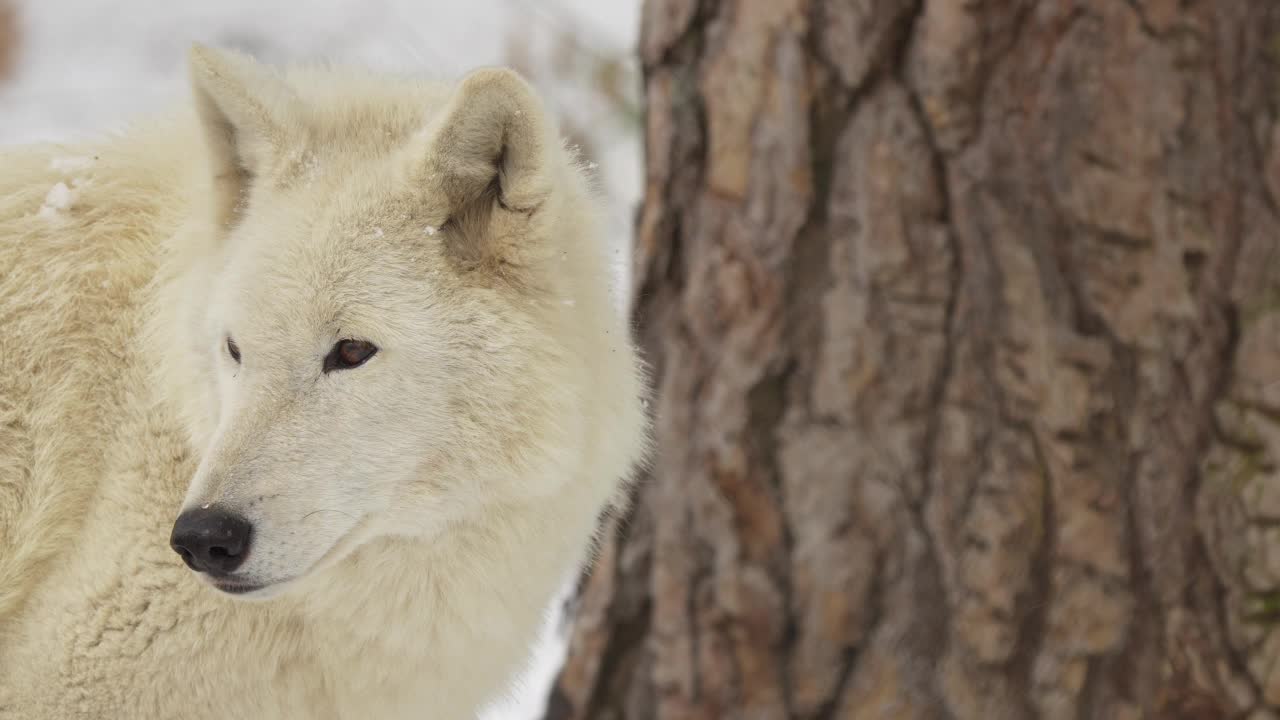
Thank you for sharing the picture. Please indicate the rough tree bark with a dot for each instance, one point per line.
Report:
(965, 322)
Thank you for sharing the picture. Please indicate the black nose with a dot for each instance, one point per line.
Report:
(211, 539)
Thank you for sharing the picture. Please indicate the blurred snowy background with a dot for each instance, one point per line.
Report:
(71, 68)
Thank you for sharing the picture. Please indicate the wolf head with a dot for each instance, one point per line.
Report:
(391, 309)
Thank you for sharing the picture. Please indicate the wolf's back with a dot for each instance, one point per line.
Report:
(78, 234)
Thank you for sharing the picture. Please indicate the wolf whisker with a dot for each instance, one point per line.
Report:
(340, 512)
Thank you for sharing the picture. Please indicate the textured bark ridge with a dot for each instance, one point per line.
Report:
(965, 318)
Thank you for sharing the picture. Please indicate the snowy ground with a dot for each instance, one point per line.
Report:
(87, 66)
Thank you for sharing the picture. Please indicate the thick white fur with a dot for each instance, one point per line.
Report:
(413, 516)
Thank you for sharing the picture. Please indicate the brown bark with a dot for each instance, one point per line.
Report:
(965, 323)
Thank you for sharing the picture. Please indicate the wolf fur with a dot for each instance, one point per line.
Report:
(413, 517)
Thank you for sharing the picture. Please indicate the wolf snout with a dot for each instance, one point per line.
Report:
(212, 539)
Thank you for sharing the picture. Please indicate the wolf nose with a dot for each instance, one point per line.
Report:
(211, 539)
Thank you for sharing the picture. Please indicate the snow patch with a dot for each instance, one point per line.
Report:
(431, 229)
(59, 198)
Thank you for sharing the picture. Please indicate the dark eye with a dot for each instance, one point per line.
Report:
(233, 350)
(348, 354)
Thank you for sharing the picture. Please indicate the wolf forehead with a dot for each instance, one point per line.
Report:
(346, 163)
(485, 137)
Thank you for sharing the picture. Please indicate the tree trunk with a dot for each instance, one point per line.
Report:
(965, 323)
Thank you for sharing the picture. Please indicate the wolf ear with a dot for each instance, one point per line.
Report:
(492, 133)
(245, 110)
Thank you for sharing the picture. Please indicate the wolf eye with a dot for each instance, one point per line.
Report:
(233, 350)
(347, 354)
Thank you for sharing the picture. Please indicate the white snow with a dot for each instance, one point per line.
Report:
(88, 66)
(59, 198)
(430, 230)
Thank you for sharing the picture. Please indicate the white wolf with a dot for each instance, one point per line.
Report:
(355, 335)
